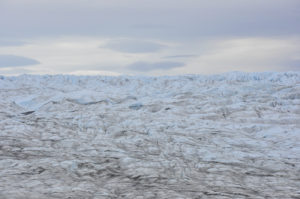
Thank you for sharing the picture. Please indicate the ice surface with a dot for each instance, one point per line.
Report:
(234, 135)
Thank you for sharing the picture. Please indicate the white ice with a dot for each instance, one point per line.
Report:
(234, 135)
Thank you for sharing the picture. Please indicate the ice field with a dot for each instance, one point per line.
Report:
(233, 135)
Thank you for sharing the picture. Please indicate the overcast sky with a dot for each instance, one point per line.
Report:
(148, 37)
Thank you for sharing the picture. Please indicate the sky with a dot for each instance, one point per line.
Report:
(148, 37)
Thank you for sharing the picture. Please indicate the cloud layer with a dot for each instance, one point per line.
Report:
(166, 19)
(149, 37)
(16, 61)
(145, 66)
(82, 55)
(11, 43)
(133, 46)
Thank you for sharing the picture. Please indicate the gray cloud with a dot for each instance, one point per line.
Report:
(11, 43)
(133, 46)
(180, 56)
(145, 66)
(161, 20)
(16, 61)
(186, 26)
(292, 65)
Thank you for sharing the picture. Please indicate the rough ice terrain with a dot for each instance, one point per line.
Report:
(235, 135)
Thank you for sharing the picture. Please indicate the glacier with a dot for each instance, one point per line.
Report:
(232, 135)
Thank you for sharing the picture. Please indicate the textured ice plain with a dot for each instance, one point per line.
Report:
(235, 135)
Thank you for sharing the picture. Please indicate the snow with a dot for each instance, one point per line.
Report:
(233, 135)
